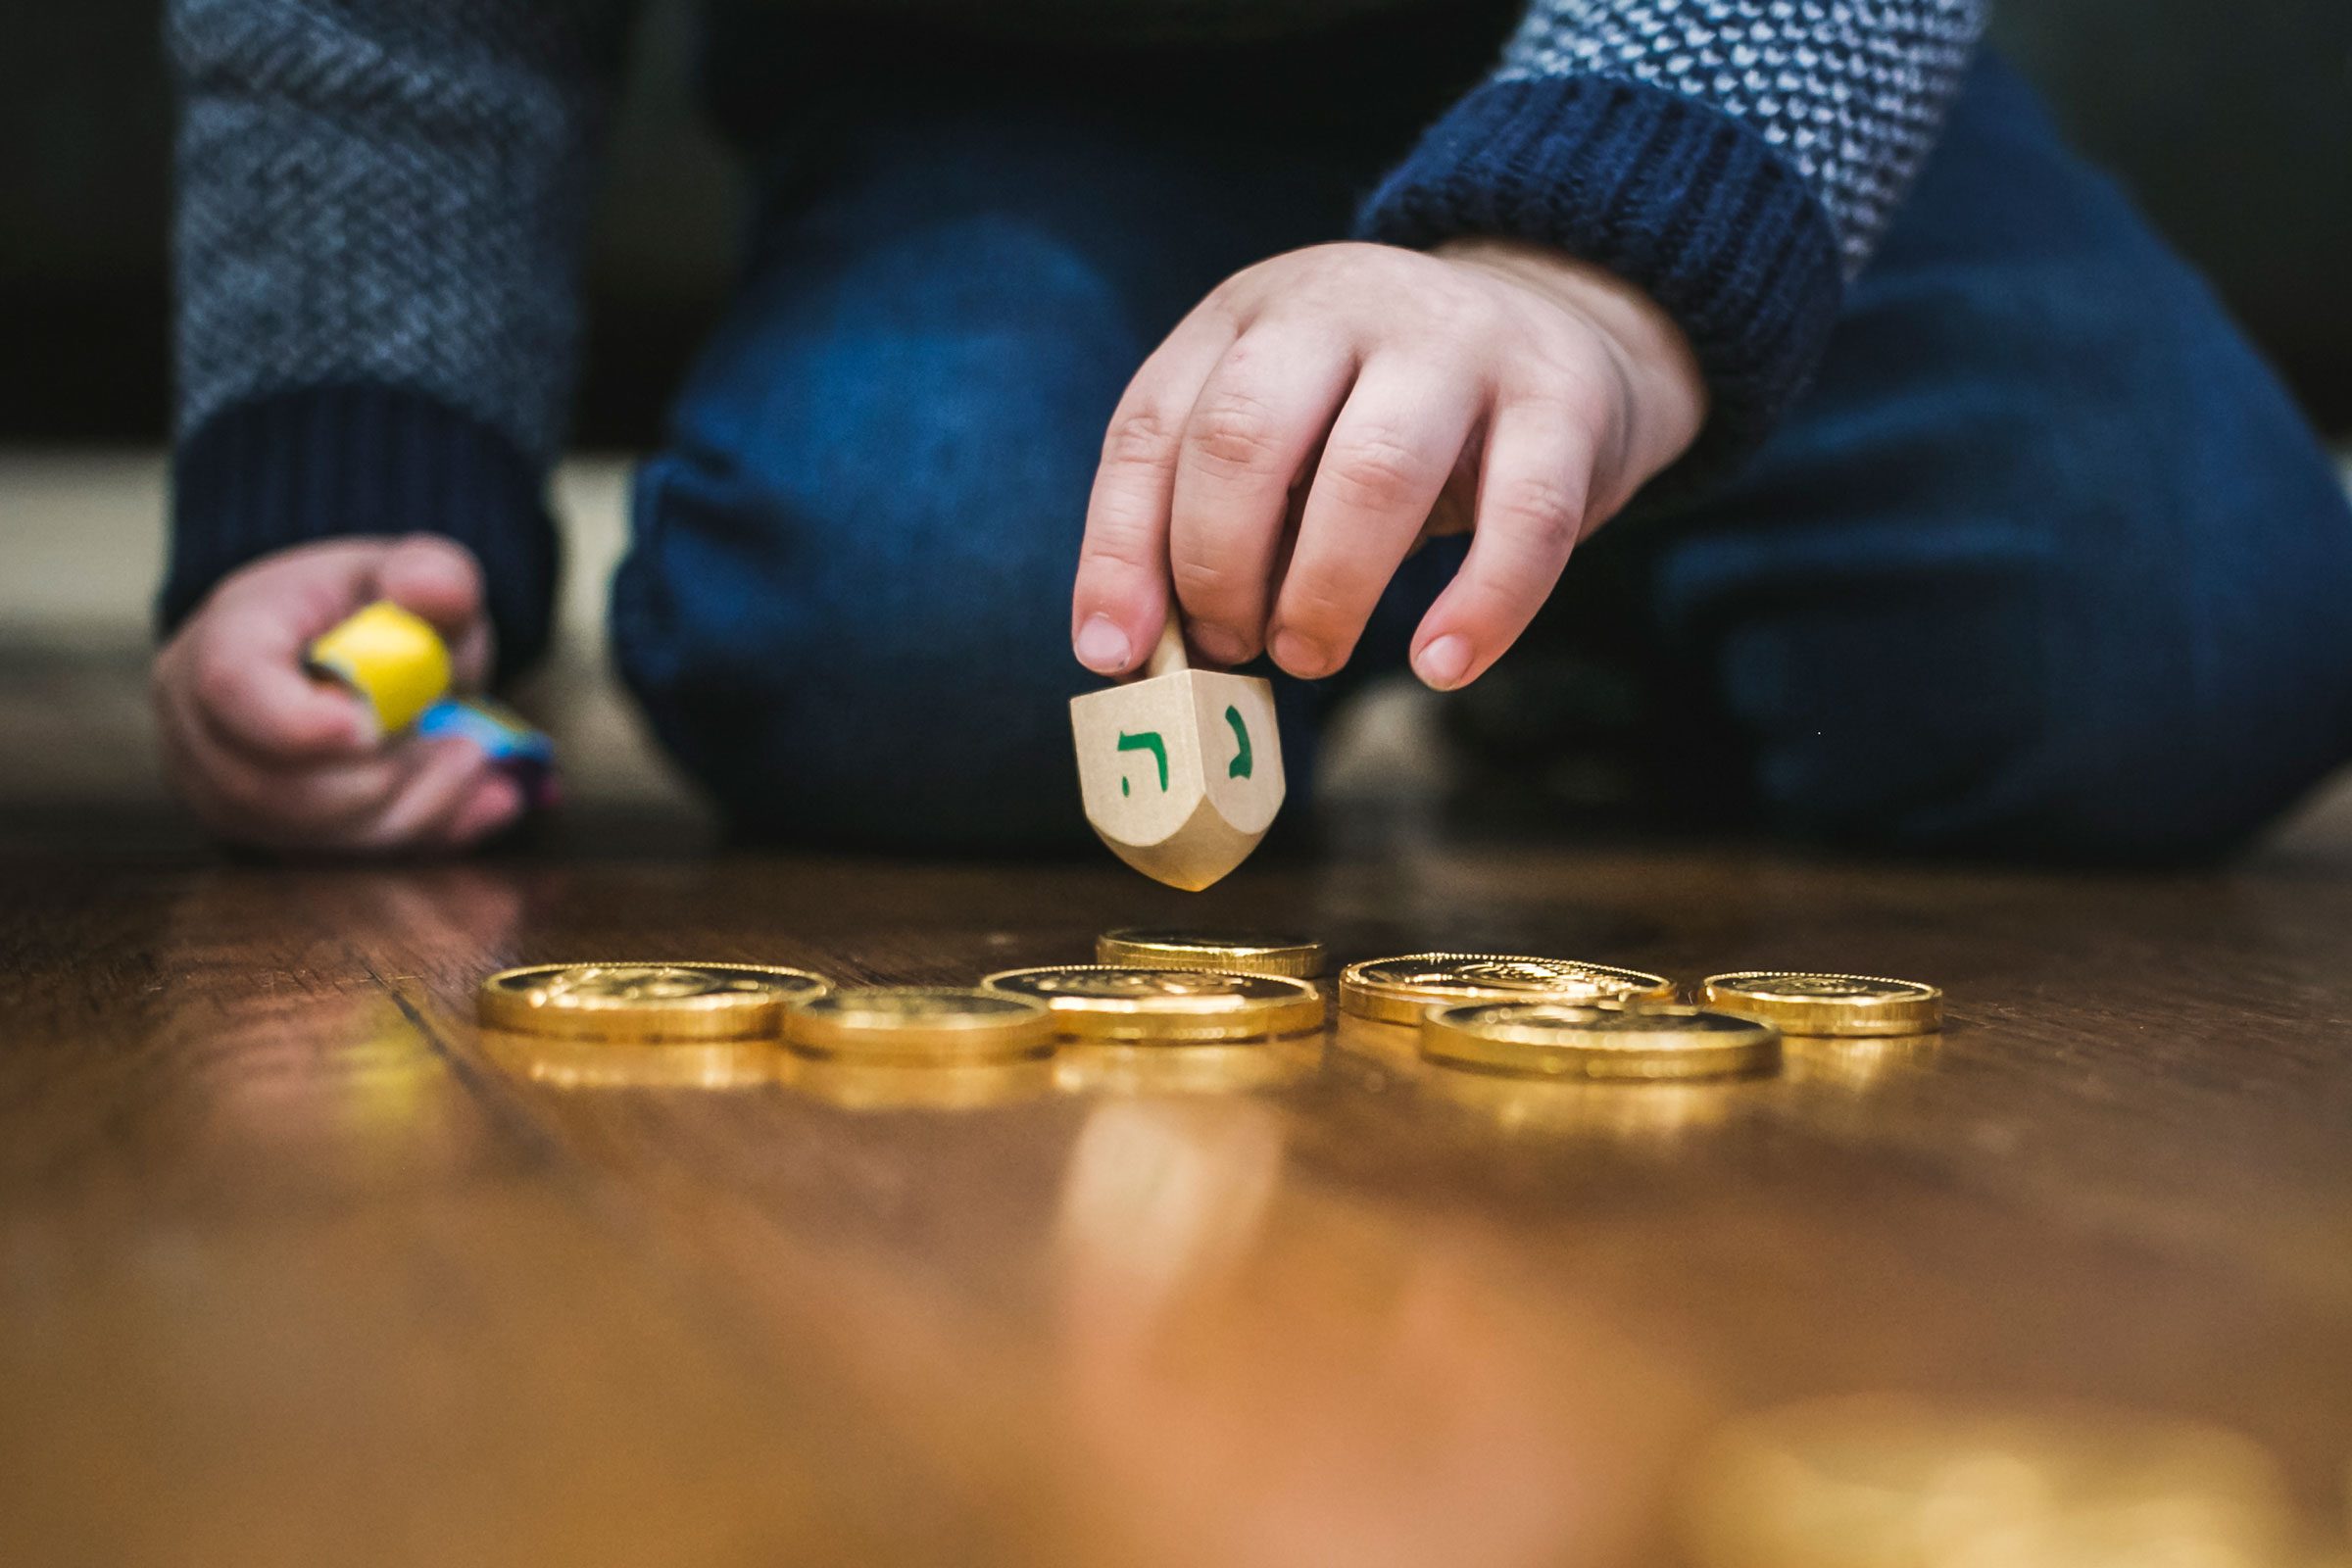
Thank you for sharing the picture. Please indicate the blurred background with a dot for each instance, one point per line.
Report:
(2232, 125)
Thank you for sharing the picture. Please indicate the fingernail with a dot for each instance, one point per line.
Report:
(1444, 663)
(1301, 656)
(1103, 648)
(1217, 645)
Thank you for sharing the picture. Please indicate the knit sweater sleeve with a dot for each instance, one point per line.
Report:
(379, 216)
(1737, 160)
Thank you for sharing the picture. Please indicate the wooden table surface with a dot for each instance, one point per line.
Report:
(296, 1269)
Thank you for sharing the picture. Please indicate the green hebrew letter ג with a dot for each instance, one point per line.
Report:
(1239, 766)
(1148, 741)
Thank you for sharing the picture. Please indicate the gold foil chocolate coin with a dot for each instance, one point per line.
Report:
(1827, 1005)
(1113, 1002)
(920, 1023)
(1401, 990)
(1230, 952)
(1644, 1041)
(645, 1003)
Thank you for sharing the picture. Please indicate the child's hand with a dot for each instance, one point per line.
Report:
(267, 754)
(1310, 421)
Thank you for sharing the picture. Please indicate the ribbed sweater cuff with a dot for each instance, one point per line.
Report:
(1678, 198)
(325, 462)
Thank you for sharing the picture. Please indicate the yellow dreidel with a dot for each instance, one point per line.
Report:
(391, 658)
(1181, 770)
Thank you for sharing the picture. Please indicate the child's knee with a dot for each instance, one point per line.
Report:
(1896, 716)
(2058, 709)
(824, 684)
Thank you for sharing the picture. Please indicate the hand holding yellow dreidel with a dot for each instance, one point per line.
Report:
(264, 753)
(390, 658)
(395, 661)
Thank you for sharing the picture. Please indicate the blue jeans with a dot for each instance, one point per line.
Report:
(2044, 562)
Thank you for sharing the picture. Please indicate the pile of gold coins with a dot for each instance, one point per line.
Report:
(1493, 1013)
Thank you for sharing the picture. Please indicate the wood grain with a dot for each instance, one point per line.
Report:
(295, 1269)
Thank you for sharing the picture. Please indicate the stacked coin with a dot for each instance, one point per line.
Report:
(1612, 1040)
(645, 1003)
(1401, 990)
(1230, 952)
(1116, 1002)
(1827, 1005)
(948, 1024)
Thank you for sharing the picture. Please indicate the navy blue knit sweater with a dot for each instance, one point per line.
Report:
(381, 206)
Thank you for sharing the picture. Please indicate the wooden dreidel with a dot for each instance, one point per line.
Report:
(1181, 769)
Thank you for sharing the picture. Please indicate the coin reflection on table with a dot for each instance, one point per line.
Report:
(1580, 1105)
(1395, 1046)
(1854, 1064)
(594, 1065)
(915, 1085)
(1882, 1481)
(1156, 1195)
(1124, 1069)
(1346, 1389)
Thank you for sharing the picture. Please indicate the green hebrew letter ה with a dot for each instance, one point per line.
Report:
(1148, 741)
(1239, 766)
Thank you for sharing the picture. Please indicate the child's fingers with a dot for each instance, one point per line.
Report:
(240, 658)
(241, 667)
(438, 789)
(251, 800)
(1258, 419)
(1388, 458)
(299, 593)
(315, 802)
(473, 654)
(435, 577)
(440, 580)
(1120, 598)
(1531, 505)
(496, 803)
